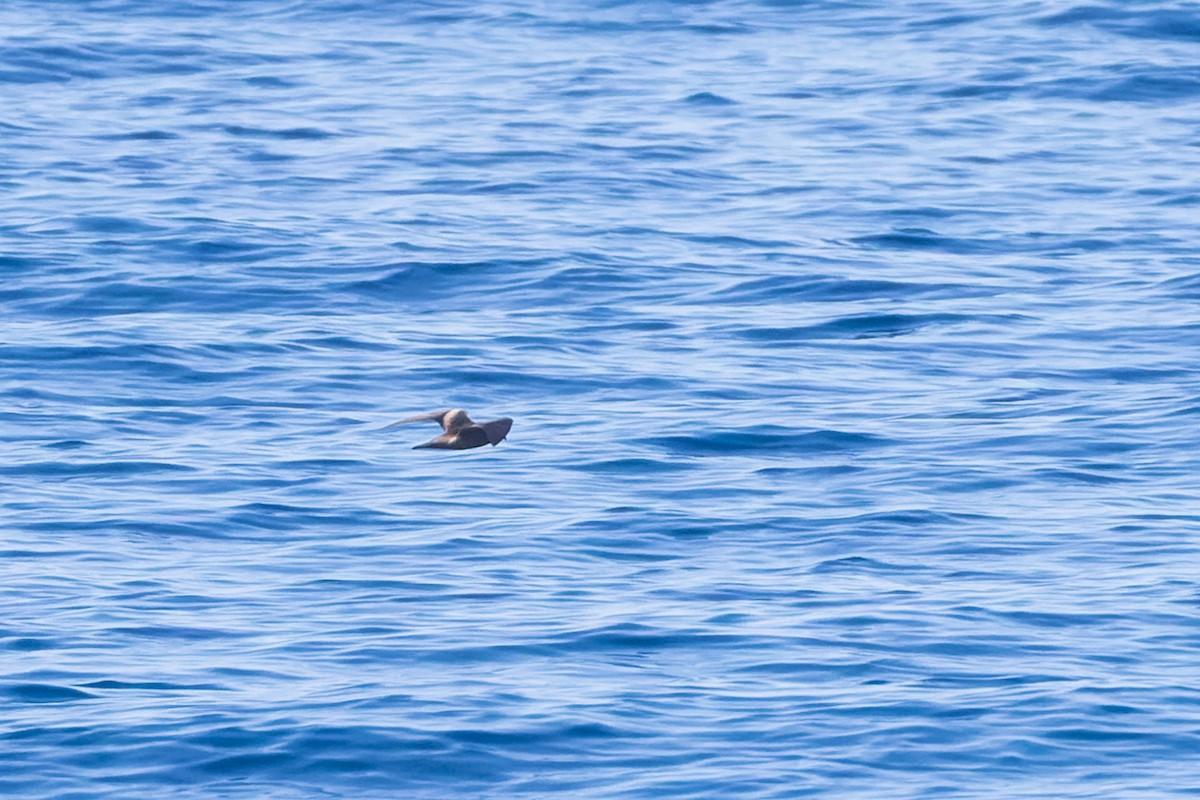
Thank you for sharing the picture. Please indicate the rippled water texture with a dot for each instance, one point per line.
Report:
(851, 347)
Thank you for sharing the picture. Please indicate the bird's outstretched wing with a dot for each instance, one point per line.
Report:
(437, 416)
(447, 441)
(497, 429)
(462, 439)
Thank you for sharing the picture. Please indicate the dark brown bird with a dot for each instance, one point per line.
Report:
(460, 432)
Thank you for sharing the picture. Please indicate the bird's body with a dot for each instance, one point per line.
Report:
(460, 432)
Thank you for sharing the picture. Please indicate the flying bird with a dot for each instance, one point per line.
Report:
(460, 432)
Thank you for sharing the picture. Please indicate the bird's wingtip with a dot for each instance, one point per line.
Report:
(497, 430)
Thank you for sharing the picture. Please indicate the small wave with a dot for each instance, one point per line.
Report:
(63, 469)
(50, 63)
(31, 644)
(728, 240)
(1058, 620)
(124, 297)
(66, 444)
(1083, 14)
(921, 239)
(633, 636)
(1148, 23)
(820, 288)
(420, 280)
(277, 133)
(631, 466)
(153, 135)
(1057, 475)
(865, 326)
(185, 633)
(154, 686)
(95, 224)
(10, 263)
(1154, 87)
(227, 249)
(43, 693)
(858, 564)
(736, 441)
(708, 99)
(1183, 286)
(650, 152)
(1130, 374)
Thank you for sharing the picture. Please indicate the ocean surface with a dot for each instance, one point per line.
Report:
(852, 348)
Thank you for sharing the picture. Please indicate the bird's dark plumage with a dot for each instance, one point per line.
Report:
(460, 432)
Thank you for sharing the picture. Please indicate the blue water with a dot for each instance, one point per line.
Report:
(852, 347)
